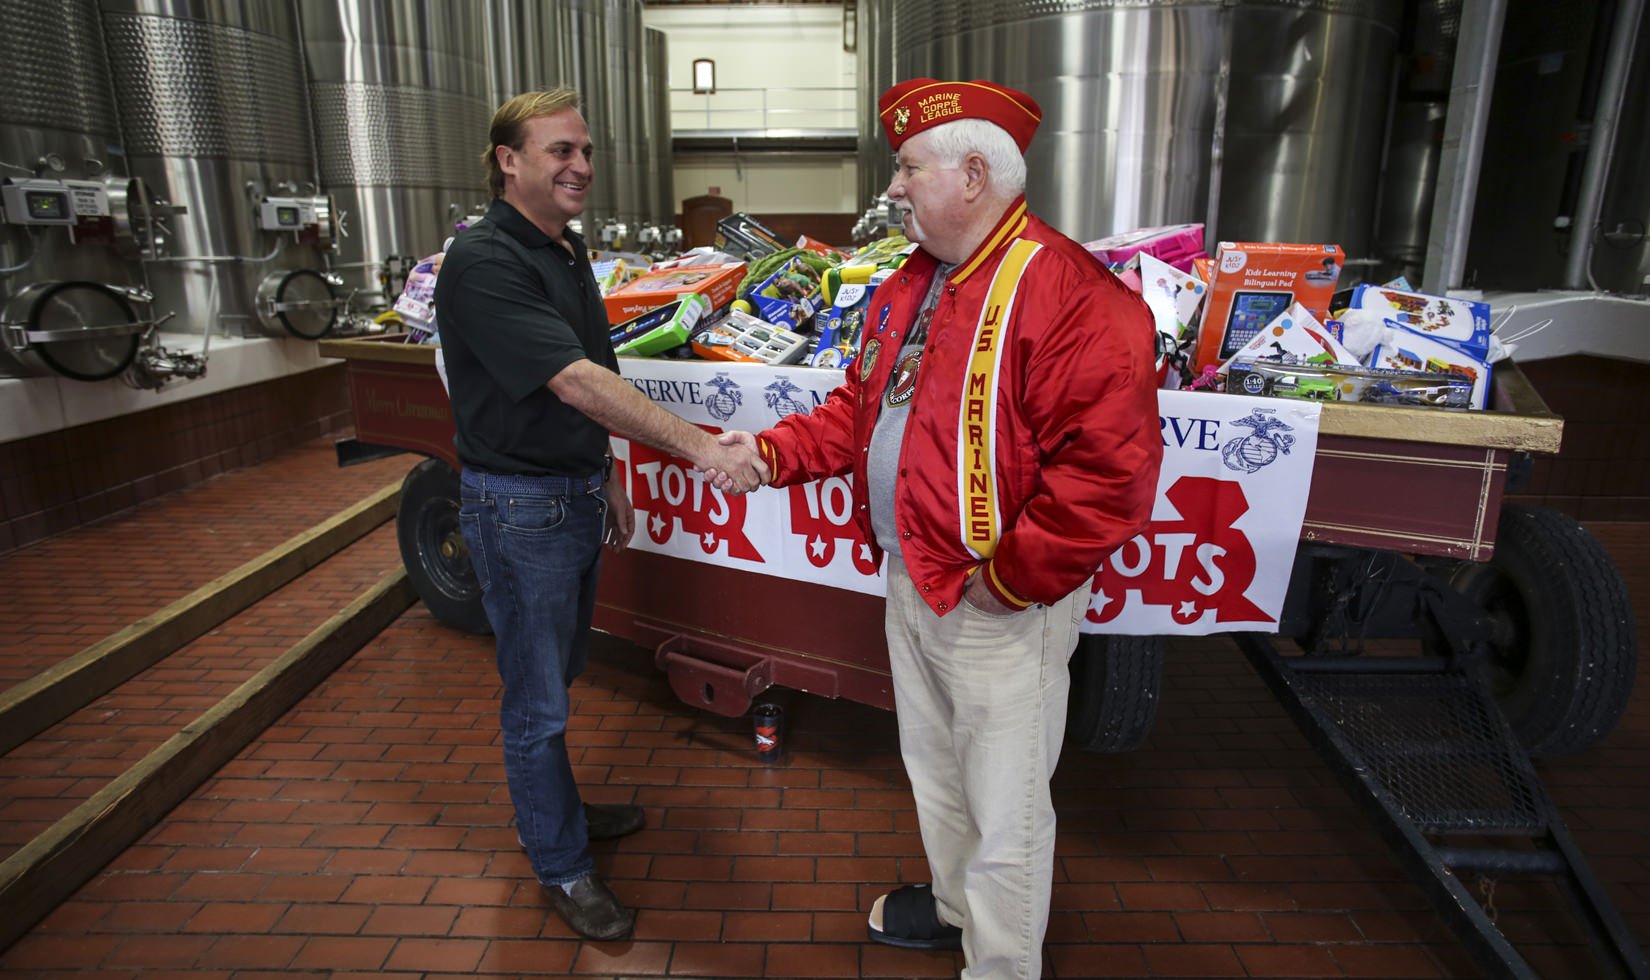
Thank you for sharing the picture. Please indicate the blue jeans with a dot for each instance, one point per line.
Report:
(535, 543)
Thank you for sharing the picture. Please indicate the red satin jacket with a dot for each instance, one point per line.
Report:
(1032, 446)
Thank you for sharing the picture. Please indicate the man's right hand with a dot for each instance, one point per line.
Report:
(734, 465)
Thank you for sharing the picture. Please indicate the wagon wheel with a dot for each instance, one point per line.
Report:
(438, 563)
(1115, 686)
(1562, 653)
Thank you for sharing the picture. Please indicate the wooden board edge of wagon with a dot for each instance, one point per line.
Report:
(384, 347)
(1518, 419)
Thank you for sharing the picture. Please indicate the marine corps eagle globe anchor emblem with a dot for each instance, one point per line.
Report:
(1261, 447)
(727, 399)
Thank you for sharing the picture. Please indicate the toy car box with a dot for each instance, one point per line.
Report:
(1348, 383)
(742, 337)
(1253, 283)
(1405, 350)
(659, 287)
(661, 328)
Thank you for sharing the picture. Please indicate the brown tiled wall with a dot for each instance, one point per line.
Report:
(59, 480)
(1602, 473)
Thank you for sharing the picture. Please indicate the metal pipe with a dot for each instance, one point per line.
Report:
(210, 259)
(1592, 80)
(8, 270)
(1601, 144)
(1503, 862)
(1217, 134)
(1463, 150)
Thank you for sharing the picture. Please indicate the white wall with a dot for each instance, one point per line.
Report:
(792, 185)
(777, 68)
(789, 59)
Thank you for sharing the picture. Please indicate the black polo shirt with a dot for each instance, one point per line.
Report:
(514, 309)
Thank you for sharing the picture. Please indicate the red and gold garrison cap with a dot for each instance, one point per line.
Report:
(923, 103)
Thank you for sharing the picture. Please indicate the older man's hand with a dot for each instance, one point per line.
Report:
(980, 597)
(734, 465)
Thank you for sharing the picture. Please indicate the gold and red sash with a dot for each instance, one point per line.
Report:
(980, 520)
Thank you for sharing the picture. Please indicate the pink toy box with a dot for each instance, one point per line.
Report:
(1176, 245)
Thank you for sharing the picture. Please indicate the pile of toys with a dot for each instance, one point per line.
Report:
(751, 297)
(1264, 318)
(1260, 318)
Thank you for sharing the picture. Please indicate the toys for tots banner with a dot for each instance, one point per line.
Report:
(1217, 556)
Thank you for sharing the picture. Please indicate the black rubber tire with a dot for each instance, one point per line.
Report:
(432, 548)
(1565, 656)
(1116, 683)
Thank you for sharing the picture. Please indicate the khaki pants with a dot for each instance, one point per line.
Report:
(981, 701)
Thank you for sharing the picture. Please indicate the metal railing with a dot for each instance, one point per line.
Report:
(763, 109)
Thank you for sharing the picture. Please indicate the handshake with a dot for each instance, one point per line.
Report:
(733, 465)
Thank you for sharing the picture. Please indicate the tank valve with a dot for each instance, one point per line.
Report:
(156, 366)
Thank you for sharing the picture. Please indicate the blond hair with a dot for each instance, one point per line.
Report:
(509, 128)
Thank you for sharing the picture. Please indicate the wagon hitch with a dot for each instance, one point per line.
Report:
(1423, 747)
(724, 677)
(715, 676)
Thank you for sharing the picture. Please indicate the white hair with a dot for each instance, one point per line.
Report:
(957, 139)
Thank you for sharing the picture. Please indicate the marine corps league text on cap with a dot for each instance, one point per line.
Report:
(922, 103)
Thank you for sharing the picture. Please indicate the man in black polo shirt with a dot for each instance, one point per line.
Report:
(535, 391)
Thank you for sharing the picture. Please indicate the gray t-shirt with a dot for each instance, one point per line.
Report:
(882, 462)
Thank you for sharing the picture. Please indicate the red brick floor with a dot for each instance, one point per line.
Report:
(368, 832)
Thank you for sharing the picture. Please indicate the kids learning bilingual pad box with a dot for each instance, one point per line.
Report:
(1256, 282)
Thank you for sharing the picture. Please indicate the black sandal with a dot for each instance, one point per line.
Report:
(910, 920)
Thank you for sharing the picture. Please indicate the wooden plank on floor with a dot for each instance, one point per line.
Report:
(31, 707)
(48, 869)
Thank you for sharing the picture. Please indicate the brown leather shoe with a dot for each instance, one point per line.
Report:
(591, 908)
(609, 820)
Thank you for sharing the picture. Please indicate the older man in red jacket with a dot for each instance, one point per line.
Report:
(1001, 428)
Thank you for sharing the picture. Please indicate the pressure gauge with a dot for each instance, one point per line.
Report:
(37, 202)
(285, 213)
